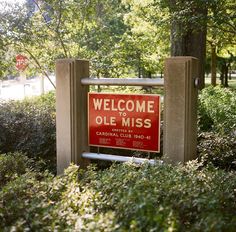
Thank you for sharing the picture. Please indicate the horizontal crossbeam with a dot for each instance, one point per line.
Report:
(123, 81)
(107, 157)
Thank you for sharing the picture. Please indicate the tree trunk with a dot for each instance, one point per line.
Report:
(222, 78)
(213, 65)
(226, 75)
(192, 44)
(222, 74)
(187, 40)
(139, 65)
(139, 72)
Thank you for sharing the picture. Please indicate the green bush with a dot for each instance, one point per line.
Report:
(12, 166)
(124, 197)
(29, 126)
(165, 198)
(219, 150)
(217, 110)
(217, 124)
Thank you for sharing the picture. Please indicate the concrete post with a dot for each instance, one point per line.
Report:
(180, 109)
(71, 112)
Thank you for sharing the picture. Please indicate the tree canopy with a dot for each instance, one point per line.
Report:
(120, 37)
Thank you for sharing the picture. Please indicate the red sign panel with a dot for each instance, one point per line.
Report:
(126, 121)
(21, 62)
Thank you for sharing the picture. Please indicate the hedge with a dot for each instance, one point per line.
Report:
(217, 110)
(125, 197)
(29, 126)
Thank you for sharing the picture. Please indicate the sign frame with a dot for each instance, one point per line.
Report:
(157, 114)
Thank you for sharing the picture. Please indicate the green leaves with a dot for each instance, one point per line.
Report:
(216, 121)
(218, 149)
(29, 126)
(125, 197)
(217, 110)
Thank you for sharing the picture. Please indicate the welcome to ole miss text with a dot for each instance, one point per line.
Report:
(122, 106)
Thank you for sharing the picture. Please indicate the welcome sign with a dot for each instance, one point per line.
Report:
(126, 121)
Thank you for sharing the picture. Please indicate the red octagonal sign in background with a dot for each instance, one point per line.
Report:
(126, 121)
(21, 62)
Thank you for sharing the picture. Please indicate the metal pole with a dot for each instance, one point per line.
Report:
(123, 81)
(100, 156)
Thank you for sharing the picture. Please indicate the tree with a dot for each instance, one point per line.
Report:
(115, 34)
(188, 30)
(184, 21)
(101, 40)
(221, 37)
(19, 33)
(190, 20)
(44, 33)
(145, 43)
(51, 29)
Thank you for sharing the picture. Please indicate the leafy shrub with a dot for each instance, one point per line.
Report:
(217, 124)
(12, 166)
(29, 126)
(48, 203)
(218, 150)
(165, 198)
(217, 110)
(124, 197)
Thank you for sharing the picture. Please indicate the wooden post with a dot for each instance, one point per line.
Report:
(180, 109)
(71, 112)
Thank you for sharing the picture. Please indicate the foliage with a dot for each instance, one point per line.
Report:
(217, 127)
(221, 18)
(221, 39)
(124, 197)
(217, 110)
(13, 165)
(36, 30)
(167, 198)
(218, 150)
(145, 43)
(29, 126)
(47, 30)
(120, 37)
